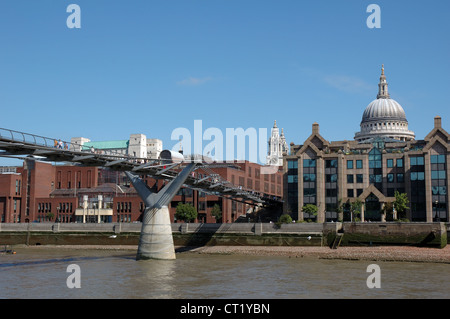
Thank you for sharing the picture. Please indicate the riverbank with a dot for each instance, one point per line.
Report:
(371, 253)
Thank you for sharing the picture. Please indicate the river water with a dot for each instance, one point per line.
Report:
(43, 273)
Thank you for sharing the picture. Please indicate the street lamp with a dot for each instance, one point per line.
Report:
(437, 216)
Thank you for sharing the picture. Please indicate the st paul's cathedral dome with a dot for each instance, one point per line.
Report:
(384, 118)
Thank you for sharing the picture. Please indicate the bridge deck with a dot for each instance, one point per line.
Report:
(15, 143)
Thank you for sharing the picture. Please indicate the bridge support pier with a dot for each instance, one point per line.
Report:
(156, 240)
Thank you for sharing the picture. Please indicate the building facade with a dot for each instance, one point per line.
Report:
(384, 158)
(42, 192)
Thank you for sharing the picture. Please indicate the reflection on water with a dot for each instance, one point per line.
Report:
(41, 273)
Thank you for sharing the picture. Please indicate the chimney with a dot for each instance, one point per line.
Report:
(437, 122)
(315, 128)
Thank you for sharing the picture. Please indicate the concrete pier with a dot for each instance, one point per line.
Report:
(156, 240)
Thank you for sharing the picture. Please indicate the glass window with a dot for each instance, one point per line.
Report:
(400, 178)
(309, 163)
(349, 192)
(349, 164)
(399, 162)
(350, 179)
(359, 178)
(293, 164)
(331, 178)
(309, 177)
(437, 159)
(359, 164)
(416, 161)
(292, 178)
(331, 163)
(390, 178)
(390, 163)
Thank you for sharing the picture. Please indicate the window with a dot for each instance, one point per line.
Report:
(292, 178)
(437, 159)
(417, 176)
(331, 178)
(390, 178)
(349, 192)
(309, 163)
(309, 177)
(292, 164)
(437, 174)
(416, 161)
(349, 164)
(309, 191)
(400, 178)
(359, 164)
(390, 163)
(350, 179)
(399, 162)
(359, 178)
(331, 164)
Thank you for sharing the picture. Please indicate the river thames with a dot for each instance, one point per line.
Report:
(43, 273)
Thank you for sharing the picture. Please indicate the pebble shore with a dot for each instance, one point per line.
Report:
(375, 253)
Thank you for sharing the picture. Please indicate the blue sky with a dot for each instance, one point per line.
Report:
(153, 66)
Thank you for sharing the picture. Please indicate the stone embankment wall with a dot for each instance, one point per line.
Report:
(260, 234)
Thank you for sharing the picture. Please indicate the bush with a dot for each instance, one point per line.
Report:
(283, 219)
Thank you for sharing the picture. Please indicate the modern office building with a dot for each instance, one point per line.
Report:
(383, 158)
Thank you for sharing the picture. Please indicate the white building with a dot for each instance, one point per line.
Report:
(137, 146)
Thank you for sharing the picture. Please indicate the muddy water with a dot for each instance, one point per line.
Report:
(42, 273)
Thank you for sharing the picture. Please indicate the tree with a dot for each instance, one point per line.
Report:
(340, 210)
(186, 212)
(216, 212)
(355, 210)
(310, 209)
(401, 204)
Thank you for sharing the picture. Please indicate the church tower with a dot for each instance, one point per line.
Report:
(277, 146)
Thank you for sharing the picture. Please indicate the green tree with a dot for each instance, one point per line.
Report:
(186, 212)
(355, 210)
(310, 209)
(340, 210)
(216, 212)
(401, 204)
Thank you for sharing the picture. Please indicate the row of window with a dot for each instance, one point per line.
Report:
(375, 158)
(373, 178)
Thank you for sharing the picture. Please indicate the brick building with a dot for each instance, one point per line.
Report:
(42, 192)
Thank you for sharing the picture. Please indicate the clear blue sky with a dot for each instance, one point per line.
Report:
(152, 66)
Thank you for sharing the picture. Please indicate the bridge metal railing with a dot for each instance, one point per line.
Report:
(37, 140)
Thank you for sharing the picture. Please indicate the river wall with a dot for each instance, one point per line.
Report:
(252, 234)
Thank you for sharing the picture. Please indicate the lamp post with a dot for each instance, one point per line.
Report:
(437, 211)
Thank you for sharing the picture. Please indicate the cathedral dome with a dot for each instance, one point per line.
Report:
(383, 109)
(384, 118)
